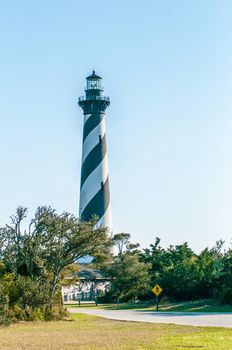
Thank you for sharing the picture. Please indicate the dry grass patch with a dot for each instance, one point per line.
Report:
(93, 333)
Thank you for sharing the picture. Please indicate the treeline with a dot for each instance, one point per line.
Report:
(37, 259)
(35, 262)
(183, 274)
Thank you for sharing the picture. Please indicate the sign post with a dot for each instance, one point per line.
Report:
(157, 290)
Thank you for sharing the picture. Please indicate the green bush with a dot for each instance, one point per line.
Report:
(27, 291)
(56, 313)
(23, 299)
(226, 295)
(18, 312)
(36, 314)
(5, 316)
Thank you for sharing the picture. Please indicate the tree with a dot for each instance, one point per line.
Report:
(130, 278)
(46, 251)
(121, 241)
(184, 274)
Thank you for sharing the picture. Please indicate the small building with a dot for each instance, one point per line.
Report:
(92, 284)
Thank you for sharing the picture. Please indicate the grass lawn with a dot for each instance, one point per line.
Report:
(93, 333)
(206, 305)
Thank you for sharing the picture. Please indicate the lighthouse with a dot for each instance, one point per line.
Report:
(94, 187)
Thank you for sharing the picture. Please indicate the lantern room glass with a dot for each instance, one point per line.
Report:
(94, 84)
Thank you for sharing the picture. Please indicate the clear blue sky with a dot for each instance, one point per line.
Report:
(166, 66)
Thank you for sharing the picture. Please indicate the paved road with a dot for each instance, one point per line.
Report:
(183, 318)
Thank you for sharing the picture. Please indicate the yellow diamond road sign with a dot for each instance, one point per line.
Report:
(157, 290)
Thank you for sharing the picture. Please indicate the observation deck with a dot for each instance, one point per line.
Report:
(93, 98)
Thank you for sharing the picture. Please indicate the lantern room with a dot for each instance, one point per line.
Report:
(94, 82)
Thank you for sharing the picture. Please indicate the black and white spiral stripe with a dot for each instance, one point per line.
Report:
(94, 192)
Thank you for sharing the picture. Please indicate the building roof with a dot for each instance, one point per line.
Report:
(88, 273)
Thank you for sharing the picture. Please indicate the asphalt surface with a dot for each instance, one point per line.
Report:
(182, 318)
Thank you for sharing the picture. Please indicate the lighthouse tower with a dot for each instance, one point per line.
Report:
(94, 188)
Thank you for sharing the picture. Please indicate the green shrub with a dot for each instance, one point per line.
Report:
(18, 312)
(36, 314)
(55, 313)
(226, 295)
(5, 317)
